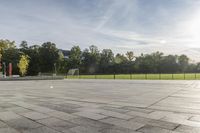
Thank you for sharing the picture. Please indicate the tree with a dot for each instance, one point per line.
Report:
(120, 58)
(106, 60)
(149, 63)
(183, 62)
(48, 56)
(169, 64)
(107, 56)
(12, 55)
(93, 49)
(5, 44)
(130, 55)
(90, 60)
(34, 56)
(24, 45)
(75, 57)
(23, 64)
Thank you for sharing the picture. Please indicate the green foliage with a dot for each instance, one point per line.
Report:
(12, 55)
(5, 44)
(48, 56)
(75, 57)
(23, 64)
(91, 60)
(130, 55)
(120, 58)
(34, 64)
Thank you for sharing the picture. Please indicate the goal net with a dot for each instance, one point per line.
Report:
(73, 72)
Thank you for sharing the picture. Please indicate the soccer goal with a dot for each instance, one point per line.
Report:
(73, 72)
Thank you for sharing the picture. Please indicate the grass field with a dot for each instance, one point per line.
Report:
(188, 76)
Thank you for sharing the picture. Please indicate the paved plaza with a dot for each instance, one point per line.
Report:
(100, 106)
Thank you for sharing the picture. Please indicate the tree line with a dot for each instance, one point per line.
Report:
(47, 57)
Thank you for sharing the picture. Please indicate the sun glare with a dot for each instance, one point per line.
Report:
(191, 29)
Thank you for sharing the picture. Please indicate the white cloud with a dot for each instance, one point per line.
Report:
(117, 24)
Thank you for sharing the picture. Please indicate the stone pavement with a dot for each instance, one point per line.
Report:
(100, 106)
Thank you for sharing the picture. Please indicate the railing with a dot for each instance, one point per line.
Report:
(179, 76)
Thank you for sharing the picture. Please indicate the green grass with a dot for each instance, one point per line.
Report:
(188, 76)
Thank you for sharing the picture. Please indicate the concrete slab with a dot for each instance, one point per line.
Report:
(72, 106)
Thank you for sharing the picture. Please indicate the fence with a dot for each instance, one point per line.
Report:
(180, 76)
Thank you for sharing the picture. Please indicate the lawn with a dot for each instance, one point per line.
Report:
(187, 76)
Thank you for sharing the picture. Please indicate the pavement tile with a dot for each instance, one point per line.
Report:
(116, 115)
(34, 115)
(114, 109)
(84, 129)
(57, 124)
(62, 115)
(195, 118)
(187, 129)
(8, 130)
(89, 122)
(157, 123)
(41, 130)
(23, 124)
(2, 124)
(142, 110)
(152, 129)
(115, 129)
(18, 109)
(6, 116)
(181, 121)
(90, 115)
(63, 108)
(123, 123)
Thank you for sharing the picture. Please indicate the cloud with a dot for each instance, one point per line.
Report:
(139, 25)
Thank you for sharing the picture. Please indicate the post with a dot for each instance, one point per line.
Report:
(114, 76)
(55, 68)
(10, 70)
(184, 76)
(79, 74)
(4, 69)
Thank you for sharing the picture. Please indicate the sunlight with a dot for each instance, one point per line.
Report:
(192, 29)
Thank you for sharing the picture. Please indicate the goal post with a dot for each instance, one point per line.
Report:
(73, 72)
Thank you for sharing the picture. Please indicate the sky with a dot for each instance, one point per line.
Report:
(142, 26)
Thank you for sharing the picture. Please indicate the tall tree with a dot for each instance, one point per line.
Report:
(90, 60)
(34, 64)
(23, 64)
(75, 57)
(130, 55)
(5, 44)
(106, 60)
(9, 54)
(183, 62)
(120, 58)
(48, 55)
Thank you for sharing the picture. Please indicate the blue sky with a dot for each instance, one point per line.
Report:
(171, 26)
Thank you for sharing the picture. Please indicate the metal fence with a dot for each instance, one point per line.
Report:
(160, 76)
